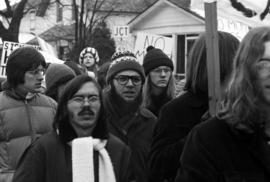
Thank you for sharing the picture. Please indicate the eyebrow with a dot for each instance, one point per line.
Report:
(266, 59)
(128, 75)
(85, 95)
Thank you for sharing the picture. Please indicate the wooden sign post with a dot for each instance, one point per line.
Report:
(213, 70)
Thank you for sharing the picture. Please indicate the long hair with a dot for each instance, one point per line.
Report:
(61, 122)
(243, 98)
(196, 78)
(147, 91)
(20, 61)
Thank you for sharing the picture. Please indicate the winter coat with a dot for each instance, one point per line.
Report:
(49, 160)
(137, 134)
(157, 102)
(216, 152)
(22, 121)
(135, 129)
(175, 121)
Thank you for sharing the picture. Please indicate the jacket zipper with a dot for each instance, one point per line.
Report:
(29, 122)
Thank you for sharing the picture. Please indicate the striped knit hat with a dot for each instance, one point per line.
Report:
(125, 60)
(90, 50)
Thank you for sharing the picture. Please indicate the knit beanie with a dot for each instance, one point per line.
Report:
(58, 73)
(154, 58)
(90, 50)
(122, 61)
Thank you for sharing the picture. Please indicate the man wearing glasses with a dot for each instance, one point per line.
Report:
(127, 120)
(80, 147)
(25, 114)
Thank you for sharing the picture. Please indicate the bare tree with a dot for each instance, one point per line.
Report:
(13, 15)
(12, 32)
(87, 16)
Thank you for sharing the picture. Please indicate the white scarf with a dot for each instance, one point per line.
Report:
(82, 160)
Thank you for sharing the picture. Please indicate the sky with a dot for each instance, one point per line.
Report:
(3, 4)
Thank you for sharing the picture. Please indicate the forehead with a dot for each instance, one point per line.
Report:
(128, 73)
(162, 67)
(88, 88)
(34, 67)
(88, 54)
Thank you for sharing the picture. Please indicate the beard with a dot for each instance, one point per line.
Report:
(120, 106)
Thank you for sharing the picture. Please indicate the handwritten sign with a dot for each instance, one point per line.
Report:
(144, 40)
(120, 31)
(238, 29)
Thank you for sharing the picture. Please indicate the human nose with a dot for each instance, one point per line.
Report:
(129, 82)
(86, 102)
(163, 73)
(40, 76)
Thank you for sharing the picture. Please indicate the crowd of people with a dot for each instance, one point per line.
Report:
(122, 121)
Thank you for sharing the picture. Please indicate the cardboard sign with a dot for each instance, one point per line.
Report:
(144, 40)
(120, 31)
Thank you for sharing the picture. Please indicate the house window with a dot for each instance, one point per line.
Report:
(59, 12)
(184, 45)
(32, 20)
(190, 39)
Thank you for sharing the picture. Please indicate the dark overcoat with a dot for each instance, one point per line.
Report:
(174, 123)
(49, 160)
(217, 152)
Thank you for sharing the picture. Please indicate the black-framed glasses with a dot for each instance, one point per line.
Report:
(37, 71)
(123, 79)
(263, 65)
(264, 60)
(81, 99)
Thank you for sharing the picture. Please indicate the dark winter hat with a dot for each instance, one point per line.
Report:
(58, 74)
(122, 61)
(154, 58)
(21, 60)
(74, 66)
(90, 50)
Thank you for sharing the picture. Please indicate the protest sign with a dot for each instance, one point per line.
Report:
(144, 40)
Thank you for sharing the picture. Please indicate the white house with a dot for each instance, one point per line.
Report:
(54, 22)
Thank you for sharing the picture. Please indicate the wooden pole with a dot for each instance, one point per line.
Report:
(212, 56)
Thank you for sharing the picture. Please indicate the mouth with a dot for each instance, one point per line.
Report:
(267, 86)
(38, 84)
(129, 92)
(86, 115)
(162, 81)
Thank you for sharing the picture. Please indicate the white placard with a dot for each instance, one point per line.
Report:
(144, 40)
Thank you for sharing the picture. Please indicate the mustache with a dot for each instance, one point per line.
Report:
(87, 110)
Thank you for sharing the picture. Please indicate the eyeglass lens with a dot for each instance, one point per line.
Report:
(160, 70)
(123, 79)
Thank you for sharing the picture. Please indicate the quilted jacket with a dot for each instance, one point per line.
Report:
(21, 122)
